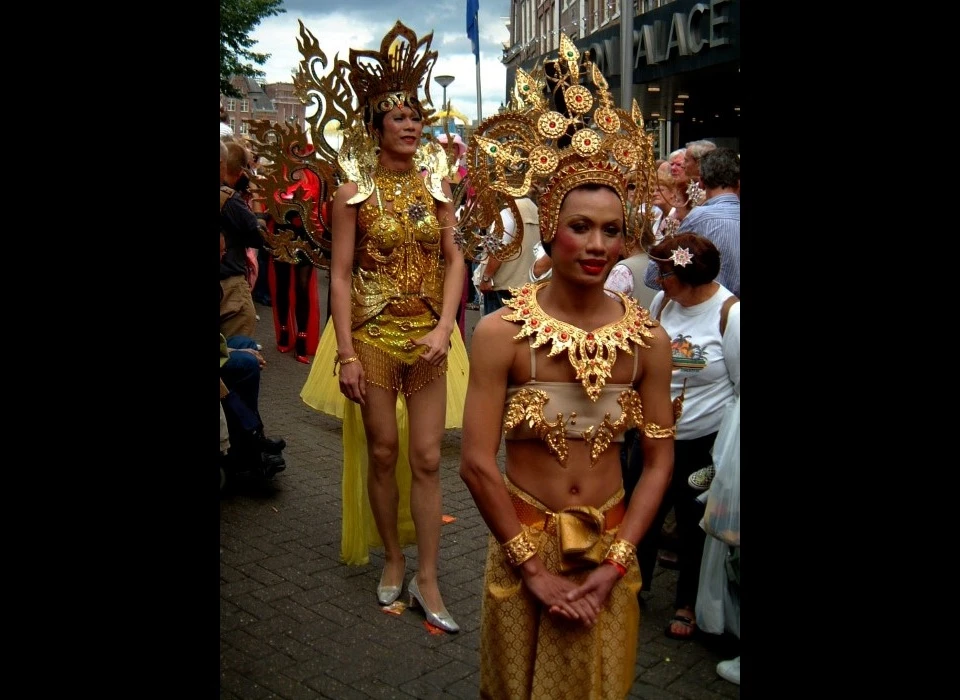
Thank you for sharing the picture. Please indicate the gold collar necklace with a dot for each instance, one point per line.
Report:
(592, 353)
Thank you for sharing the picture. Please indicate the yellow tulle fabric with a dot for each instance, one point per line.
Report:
(322, 393)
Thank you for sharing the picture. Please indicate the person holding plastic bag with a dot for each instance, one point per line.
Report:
(718, 599)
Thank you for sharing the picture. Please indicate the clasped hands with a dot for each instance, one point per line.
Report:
(566, 599)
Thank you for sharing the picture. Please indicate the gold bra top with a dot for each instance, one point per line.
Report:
(594, 411)
(576, 417)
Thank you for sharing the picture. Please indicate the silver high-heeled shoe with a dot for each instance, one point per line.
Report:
(388, 594)
(443, 620)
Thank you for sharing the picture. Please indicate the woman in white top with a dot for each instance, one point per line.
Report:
(702, 318)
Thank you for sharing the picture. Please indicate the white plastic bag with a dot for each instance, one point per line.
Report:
(721, 518)
(718, 602)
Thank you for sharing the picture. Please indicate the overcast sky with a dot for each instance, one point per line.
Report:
(361, 24)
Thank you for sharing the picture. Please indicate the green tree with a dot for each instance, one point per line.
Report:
(237, 20)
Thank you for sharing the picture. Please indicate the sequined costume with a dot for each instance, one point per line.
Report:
(397, 295)
(397, 292)
(398, 274)
(528, 653)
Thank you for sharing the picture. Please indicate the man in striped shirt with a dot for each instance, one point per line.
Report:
(718, 218)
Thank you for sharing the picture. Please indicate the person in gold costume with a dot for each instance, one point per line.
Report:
(396, 276)
(565, 371)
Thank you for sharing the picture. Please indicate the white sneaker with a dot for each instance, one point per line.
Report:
(730, 670)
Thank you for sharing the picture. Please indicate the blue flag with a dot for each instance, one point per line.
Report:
(473, 26)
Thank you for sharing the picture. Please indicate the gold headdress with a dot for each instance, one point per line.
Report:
(342, 105)
(389, 78)
(587, 139)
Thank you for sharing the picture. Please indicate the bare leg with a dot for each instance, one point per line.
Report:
(380, 424)
(427, 408)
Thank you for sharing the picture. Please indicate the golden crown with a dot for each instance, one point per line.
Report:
(300, 177)
(390, 77)
(531, 147)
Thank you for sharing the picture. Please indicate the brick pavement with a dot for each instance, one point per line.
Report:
(296, 624)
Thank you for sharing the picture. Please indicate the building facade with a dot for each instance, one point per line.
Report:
(276, 102)
(684, 59)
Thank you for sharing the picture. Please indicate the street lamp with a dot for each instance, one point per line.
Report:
(444, 80)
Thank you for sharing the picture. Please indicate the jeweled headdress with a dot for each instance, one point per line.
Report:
(341, 105)
(535, 147)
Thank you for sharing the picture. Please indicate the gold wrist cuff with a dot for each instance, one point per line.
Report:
(622, 552)
(519, 549)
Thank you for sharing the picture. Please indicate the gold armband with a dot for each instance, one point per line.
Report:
(519, 549)
(621, 552)
(652, 430)
(338, 361)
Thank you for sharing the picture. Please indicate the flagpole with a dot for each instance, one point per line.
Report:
(473, 32)
(479, 108)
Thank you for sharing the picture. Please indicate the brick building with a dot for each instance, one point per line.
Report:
(276, 102)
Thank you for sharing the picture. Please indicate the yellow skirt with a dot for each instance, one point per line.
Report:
(322, 393)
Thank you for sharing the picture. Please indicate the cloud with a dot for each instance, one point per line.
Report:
(362, 24)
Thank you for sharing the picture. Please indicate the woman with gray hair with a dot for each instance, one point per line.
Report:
(702, 318)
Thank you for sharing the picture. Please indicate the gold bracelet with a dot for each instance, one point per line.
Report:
(519, 549)
(652, 430)
(622, 552)
(338, 361)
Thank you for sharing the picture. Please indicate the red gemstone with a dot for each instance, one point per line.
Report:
(563, 336)
(618, 334)
(586, 142)
(589, 336)
(526, 312)
(552, 124)
(534, 323)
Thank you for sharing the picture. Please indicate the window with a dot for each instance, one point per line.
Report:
(231, 104)
(611, 10)
(244, 105)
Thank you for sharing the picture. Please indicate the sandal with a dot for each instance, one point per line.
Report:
(686, 622)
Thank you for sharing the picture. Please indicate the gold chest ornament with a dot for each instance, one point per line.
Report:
(591, 353)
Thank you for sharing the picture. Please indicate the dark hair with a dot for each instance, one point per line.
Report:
(720, 168)
(705, 265)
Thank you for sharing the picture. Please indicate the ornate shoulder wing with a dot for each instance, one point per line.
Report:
(301, 173)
